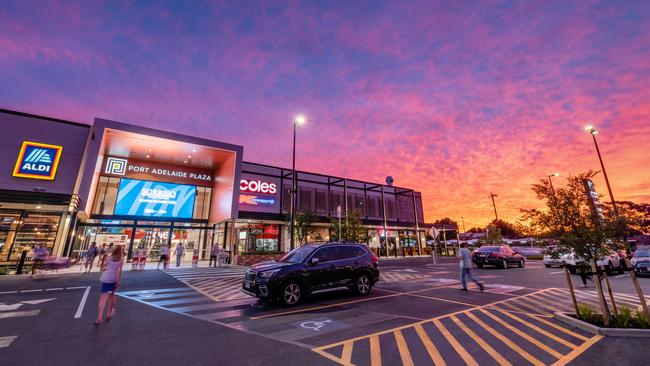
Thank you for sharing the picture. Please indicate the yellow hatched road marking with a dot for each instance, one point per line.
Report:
(404, 353)
(346, 356)
(491, 351)
(523, 335)
(578, 351)
(507, 341)
(541, 304)
(462, 352)
(431, 348)
(520, 310)
(375, 351)
(539, 330)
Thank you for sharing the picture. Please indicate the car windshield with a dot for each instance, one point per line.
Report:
(298, 255)
(642, 253)
(488, 249)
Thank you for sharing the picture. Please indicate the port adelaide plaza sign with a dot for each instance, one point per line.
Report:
(155, 171)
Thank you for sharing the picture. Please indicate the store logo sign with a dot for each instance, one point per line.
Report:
(257, 186)
(256, 200)
(37, 161)
(116, 166)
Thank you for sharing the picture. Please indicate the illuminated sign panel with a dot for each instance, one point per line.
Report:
(155, 199)
(256, 200)
(257, 186)
(37, 161)
(151, 170)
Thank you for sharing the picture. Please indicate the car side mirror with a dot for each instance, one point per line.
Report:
(314, 261)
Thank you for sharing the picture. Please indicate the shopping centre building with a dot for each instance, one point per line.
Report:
(65, 184)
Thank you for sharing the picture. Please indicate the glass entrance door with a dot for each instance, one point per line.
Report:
(150, 240)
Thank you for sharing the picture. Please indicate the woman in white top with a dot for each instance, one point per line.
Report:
(110, 279)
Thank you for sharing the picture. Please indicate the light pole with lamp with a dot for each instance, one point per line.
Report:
(593, 131)
(550, 182)
(294, 182)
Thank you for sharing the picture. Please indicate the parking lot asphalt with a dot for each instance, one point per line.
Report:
(415, 315)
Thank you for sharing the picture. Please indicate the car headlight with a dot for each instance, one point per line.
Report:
(268, 274)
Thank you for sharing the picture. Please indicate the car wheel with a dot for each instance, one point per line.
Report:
(290, 294)
(547, 265)
(479, 265)
(521, 263)
(504, 264)
(363, 285)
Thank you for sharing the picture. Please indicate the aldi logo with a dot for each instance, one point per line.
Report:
(37, 161)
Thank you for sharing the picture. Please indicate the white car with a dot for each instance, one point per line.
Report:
(549, 261)
(611, 262)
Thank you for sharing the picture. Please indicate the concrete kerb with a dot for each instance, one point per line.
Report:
(595, 330)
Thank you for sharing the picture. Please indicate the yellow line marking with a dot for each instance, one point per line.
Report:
(427, 320)
(491, 351)
(540, 330)
(578, 351)
(522, 312)
(431, 348)
(462, 352)
(404, 353)
(346, 356)
(523, 335)
(375, 351)
(330, 357)
(507, 341)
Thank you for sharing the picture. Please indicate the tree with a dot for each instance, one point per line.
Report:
(446, 221)
(570, 218)
(351, 229)
(508, 230)
(493, 236)
(637, 216)
(304, 226)
(476, 230)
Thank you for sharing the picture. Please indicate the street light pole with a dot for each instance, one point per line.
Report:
(550, 182)
(593, 131)
(294, 183)
(492, 195)
(462, 220)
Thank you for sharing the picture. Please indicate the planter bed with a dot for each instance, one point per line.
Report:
(571, 320)
(250, 259)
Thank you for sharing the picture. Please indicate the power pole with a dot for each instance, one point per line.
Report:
(492, 195)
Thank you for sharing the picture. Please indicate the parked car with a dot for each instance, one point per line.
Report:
(552, 258)
(312, 268)
(529, 252)
(612, 262)
(501, 256)
(641, 262)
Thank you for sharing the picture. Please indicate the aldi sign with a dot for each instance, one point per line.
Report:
(37, 161)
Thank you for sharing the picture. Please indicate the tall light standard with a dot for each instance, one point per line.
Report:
(462, 220)
(550, 182)
(294, 182)
(593, 131)
(492, 195)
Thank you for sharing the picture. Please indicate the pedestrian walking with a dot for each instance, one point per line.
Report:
(165, 250)
(91, 254)
(220, 255)
(111, 248)
(214, 251)
(179, 252)
(195, 257)
(40, 253)
(110, 279)
(466, 267)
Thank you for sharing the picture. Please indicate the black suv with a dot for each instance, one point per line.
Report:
(311, 268)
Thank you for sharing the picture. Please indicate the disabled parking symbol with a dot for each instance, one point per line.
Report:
(320, 325)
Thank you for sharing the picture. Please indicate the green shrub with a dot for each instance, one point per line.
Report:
(641, 319)
(624, 317)
(585, 312)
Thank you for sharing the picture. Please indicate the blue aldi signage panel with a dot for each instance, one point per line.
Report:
(155, 199)
(37, 161)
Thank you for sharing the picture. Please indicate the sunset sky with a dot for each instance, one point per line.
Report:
(455, 100)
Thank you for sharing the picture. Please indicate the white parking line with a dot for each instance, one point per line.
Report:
(54, 289)
(556, 272)
(623, 275)
(8, 292)
(80, 309)
(6, 341)
(39, 290)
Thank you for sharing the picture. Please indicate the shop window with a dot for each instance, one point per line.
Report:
(258, 238)
(391, 208)
(306, 195)
(202, 203)
(106, 195)
(336, 201)
(27, 229)
(321, 201)
(286, 198)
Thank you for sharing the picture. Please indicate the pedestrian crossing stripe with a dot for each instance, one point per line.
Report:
(521, 324)
(216, 283)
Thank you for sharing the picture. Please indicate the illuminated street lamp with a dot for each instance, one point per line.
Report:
(551, 182)
(593, 131)
(300, 119)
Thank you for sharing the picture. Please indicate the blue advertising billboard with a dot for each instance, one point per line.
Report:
(155, 199)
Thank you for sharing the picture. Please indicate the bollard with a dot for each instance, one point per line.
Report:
(21, 262)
